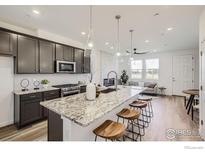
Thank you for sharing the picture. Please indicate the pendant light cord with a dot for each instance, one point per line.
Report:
(91, 16)
(118, 32)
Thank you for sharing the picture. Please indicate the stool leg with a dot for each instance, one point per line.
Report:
(95, 137)
(192, 113)
(152, 112)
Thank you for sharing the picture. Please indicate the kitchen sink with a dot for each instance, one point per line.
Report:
(108, 90)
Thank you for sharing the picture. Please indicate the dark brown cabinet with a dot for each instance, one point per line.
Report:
(8, 43)
(47, 57)
(79, 59)
(27, 57)
(49, 95)
(87, 55)
(27, 108)
(64, 53)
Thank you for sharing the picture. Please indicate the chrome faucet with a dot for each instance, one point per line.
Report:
(115, 78)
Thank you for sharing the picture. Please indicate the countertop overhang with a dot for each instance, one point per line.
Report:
(83, 112)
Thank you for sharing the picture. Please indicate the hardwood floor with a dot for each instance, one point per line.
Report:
(169, 113)
(35, 132)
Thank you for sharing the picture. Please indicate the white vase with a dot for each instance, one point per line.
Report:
(90, 92)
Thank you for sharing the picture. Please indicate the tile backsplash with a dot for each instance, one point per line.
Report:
(54, 79)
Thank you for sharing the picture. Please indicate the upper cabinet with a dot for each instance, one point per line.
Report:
(27, 56)
(46, 56)
(79, 59)
(64, 53)
(36, 55)
(87, 60)
(8, 43)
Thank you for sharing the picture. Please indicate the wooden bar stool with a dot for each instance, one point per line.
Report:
(109, 130)
(130, 116)
(150, 109)
(141, 105)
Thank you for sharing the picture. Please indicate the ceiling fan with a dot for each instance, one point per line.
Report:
(136, 53)
(139, 53)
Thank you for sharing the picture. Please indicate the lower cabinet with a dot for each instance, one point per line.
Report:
(30, 111)
(49, 95)
(27, 108)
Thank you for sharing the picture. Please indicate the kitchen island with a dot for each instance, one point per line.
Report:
(73, 118)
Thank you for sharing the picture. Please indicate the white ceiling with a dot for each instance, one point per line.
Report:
(70, 21)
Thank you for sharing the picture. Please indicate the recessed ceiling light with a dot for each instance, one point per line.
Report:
(112, 47)
(154, 50)
(118, 54)
(83, 33)
(170, 28)
(146, 41)
(36, 12)
(106, 43)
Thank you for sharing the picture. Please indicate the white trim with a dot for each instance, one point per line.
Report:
(6, 123)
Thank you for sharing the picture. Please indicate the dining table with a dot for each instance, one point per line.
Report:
(192, 93)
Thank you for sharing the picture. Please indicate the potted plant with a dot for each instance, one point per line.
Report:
(124, 77)
(45, 83)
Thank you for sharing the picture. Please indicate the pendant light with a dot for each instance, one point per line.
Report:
(117, 17)
(90, 43)
(131, 47)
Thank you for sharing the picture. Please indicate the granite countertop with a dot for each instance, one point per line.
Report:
(84, 112)
(19, 92)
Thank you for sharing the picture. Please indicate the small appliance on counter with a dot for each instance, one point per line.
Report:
(24, 84)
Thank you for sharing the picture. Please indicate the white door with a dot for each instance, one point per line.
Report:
(182, 75)
(202, 91)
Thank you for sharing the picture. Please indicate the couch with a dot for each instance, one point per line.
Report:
(151, 87)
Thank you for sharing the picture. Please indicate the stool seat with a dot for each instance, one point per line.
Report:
(128, 114)
(139, 104)
(145, 99)
(110, 130)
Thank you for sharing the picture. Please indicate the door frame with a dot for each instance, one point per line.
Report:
(201, 105)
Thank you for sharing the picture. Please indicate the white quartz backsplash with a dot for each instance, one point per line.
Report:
(54, 79)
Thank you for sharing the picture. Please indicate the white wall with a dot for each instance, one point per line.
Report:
(202, 97)
(6, 88)
(165, 61)
(108, 62)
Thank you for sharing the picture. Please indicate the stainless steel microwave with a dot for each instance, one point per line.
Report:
(65, 67)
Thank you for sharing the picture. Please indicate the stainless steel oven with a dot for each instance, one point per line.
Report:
(65, 67)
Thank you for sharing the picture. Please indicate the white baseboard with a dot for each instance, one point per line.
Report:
(3, 124)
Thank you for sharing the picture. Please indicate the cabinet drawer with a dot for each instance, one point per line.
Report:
(51, 94)
(36, 96)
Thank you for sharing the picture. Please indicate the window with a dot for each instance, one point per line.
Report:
(136, 69)
(152, 69)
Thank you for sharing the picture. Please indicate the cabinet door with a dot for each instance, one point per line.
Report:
(68, 53)
(47, 52)
(7, 43)
(59, 52)
(30, 111)
(27, 60)
(86, 68)
(79, 56)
